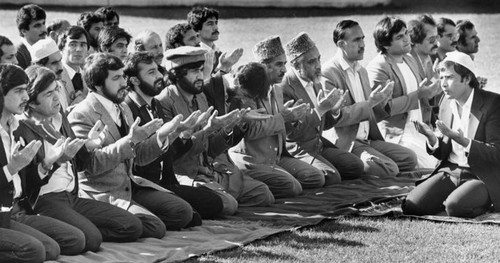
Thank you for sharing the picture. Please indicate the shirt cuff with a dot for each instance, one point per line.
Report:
(467, 148)
(8, 176)
(42, 172)
(432, 147)
(163, 145)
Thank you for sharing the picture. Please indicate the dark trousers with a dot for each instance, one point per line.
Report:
(19, 246)
(98, 221)
(204, 201)
(453, 189)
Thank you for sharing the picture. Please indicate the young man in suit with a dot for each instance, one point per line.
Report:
(465, 183)
(109, 176)
(411, 94)
(74, 45)
(30, 22)
(360, 134)
(447, 38)
(15, 245)
(64, 238)
(43, 121)
(305, 139)
(145, 81)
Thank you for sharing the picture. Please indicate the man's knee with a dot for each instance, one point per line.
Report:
(457, 209)
(73, 244)
(407, 161)
(263, 196)
(230, 205)
(410, 207)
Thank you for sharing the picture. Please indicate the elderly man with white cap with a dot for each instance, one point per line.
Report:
(465, 183)
(305, 140)
(46, 53)
(198, 166)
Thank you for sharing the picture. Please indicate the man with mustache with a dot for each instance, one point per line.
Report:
(205, 21)
(411, 93)
(305, 139)
(74, 45)
(468, 43)
(360, 134)
(145, 82)
(109, 176)
(181, 35)
(7, 51)
(262, 153)
(447, 38)
(151, 42)
(30, 22)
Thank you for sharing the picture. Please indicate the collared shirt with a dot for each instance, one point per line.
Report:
(8, 144)
(140, 102)
(358, 94)
(63, 178)
(28, 46)
(70, 70)
(208, 66)
(458, 153)
(411, 85)
(309, 88)
(111, 108)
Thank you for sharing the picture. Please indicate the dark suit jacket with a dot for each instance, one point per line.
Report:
(383, 68)
(347, 130)
(484, 127)
(23, 56)
(30, 131)
(6, 188)
(153, 171)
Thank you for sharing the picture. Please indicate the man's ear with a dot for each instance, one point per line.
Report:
(466, 79)
(341, 43)
(98, 88)
(135, 81)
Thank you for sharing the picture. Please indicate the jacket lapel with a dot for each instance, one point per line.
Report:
(476, 114)
(104, 116)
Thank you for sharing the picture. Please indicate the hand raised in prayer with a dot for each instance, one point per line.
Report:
(333, 101)
(138, 134)
(227, 62)
(427, 89)
(190, 122)
(96, 136)
(426, 131)
(203, 117)
(21, 158)
(70, 148)
(294, 111)
(457, 136)
(255, 115)
(381, 95)
(169, 129)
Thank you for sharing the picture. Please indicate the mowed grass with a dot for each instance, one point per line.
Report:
(346, 239)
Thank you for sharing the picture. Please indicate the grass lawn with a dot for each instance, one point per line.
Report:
(346, 239)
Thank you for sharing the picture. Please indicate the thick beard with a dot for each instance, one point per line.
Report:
(111, 97)
(189, 87)
(152, 90)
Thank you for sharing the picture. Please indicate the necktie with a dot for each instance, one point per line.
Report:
(77, 82)
(194, 104)
(152, 108)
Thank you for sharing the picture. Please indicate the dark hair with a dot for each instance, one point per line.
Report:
(251, 80)
(385, 30)
(416, 28)
(177, 73)
(132, 64)
(462, 27)
(462, 71)
(4, 41)
(199, 15)
(55, 25)
(108, 13)
(87, 19)
(340, 29)
(109, 35)
(73, 32)
(95, 70)
(11, 76)
(39, 80)
(442, 22)
(175, 35)
(27, 14)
